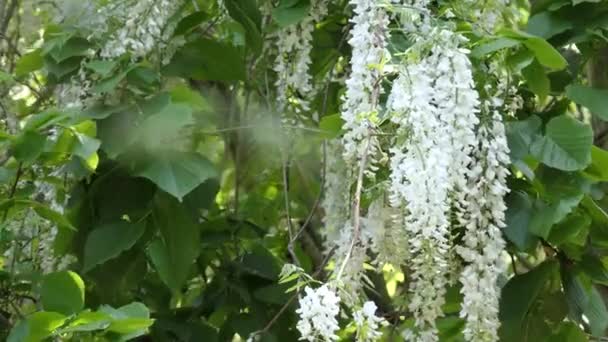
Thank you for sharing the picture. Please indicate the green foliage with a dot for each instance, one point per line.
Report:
(174, 179)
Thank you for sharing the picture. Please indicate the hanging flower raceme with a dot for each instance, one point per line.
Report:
(294, 45)
(360, 102)
(318, 311)
(434, 104)
(483, 217)
(141, 26)
(336, 193)
(367, 323)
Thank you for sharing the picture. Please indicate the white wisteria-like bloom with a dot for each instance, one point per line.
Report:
(483, 217)
(360, 102)
(367, 323)
(318, 311)
(482, 213)
(488, 16)
(336, 199)
(294, 44)
(434, 104)
(140, 26)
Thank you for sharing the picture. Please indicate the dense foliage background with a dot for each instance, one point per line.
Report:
(150, 190)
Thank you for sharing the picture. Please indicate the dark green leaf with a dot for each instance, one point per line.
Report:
(493, 46)
(74, 47)
(518, 216)
(177, 173)
(190, 22)
(566, 144)
(548, 24)
(108, 241)
(518, 296)
(62, 292)
(260, 262)
(37, 327)
(29, 62)
(545, 53)
(537, 79)
(594, 99)
(290, 14)
(28, 146)
(174, 253)
(207, 59)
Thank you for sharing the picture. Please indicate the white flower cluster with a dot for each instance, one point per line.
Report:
(318, 311)
(141, 26)
(367, 323)
(336, 199)
(483, 217)
(434, 103)
(487, 16)
(294, 44)
(360, 102)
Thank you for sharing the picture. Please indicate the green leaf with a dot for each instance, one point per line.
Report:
(190, 22)
(177, 173)
(566, 144)
(29, 62)
(596, 100)
(585, 300)
(598, 170)
(28, 146)
(37, 327)
(548, 24)
(88, 321)
(518, 296)
(108, 241)
(206, 59)
(331, 125)
(568, 332)
(493, 46)
(184, 94)
(518, 216)
(573, 229)
(74, 47)
(62, 292)
(537, 80)
(247, 13)
(272, 294)
(174, 253)
(595, 269)
(102, 67)
(260, 262)
(521, 134)
(545, 53)
(131, 319)
(160, 129)
(546, 215)
(290, 14)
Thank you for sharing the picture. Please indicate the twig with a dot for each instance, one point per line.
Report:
(13, 188)
(317, 202)
(292, 298)
(290, 228)
(356, 207)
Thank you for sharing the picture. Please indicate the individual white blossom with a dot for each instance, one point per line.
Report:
(367, 323)
(434, 104)
(360, 102)
(318, 311)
